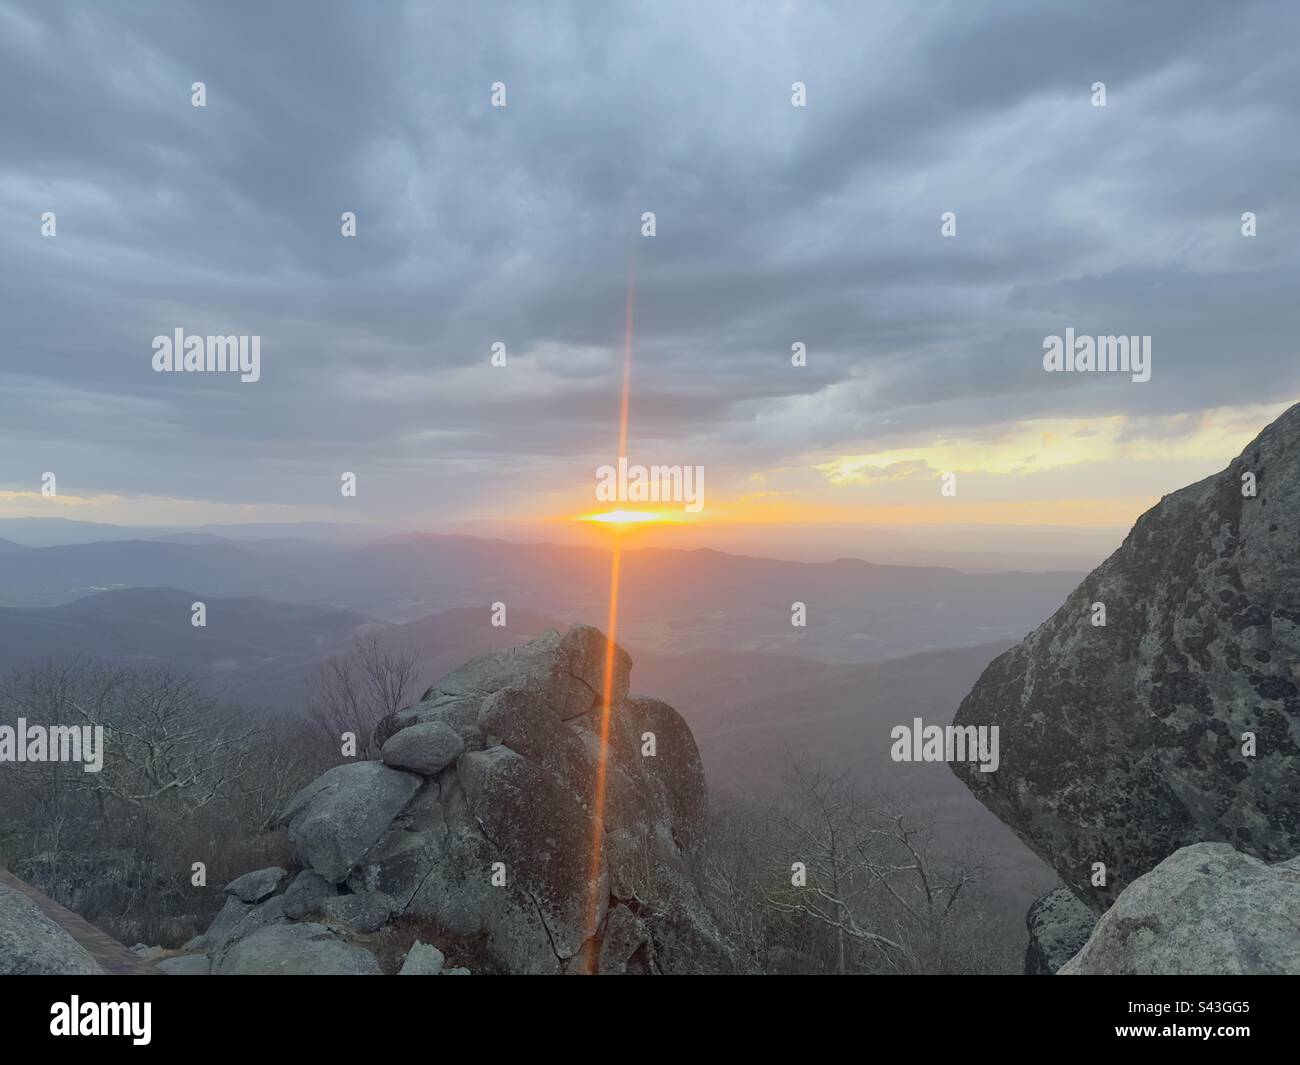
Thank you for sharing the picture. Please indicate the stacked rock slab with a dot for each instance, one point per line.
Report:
(490, 820)
(1121, 743)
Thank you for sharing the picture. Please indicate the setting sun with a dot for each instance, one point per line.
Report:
(625, 517)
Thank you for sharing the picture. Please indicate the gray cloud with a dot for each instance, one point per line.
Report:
(479, 224)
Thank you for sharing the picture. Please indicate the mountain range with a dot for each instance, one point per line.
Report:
(670, 602)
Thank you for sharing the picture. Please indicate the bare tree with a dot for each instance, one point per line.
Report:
(184, 779)
(171, 744)
(354, 692)
(873, 881)
(823, 832)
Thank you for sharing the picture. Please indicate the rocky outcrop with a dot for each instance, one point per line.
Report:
(31, 944)
(1177, 721)
(1206, 909)
(498, 821)
(1059, 925)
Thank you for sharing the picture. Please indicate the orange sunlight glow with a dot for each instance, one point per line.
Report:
(626, 517)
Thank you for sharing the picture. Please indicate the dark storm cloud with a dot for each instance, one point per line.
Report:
(476, 224)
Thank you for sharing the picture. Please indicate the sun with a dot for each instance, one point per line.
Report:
(624, 517)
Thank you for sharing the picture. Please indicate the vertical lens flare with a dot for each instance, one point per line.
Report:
(611, 634)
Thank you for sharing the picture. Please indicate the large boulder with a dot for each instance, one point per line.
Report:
(1178, 720)
(1059, 925)
(335, 819)
(31, 944)
(516, 834)
(544, 838)
(426, 748)
(566, 671)
(521, 721)
(675, 767)
(1205, 910)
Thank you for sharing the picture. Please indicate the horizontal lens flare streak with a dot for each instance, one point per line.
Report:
(625, 517)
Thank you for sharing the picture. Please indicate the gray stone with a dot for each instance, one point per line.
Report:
(255, 886)
(524, 722)
(422, 960)
(305, 895)
(567, 672)
(676, 766)
(456, 972)
(31, 944)
(222, 927)
(366, 912)
(624, 934)
(297, 950)
(1122, 743)
(1205, 910)
(240, 925)
(340, 815)
(456, 893)
(424, 812)
(683, 934)
(460, 712)
(543, 835)
(586, 650)
(1059, 925)
(426, 747)
(186, 965)
(399, 864)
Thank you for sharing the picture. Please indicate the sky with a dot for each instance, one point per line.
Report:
(522, 225)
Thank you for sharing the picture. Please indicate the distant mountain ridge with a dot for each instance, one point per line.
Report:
(61, 532)
(152, 626)
(671, 601)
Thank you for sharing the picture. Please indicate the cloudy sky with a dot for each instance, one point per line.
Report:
(521, 224)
